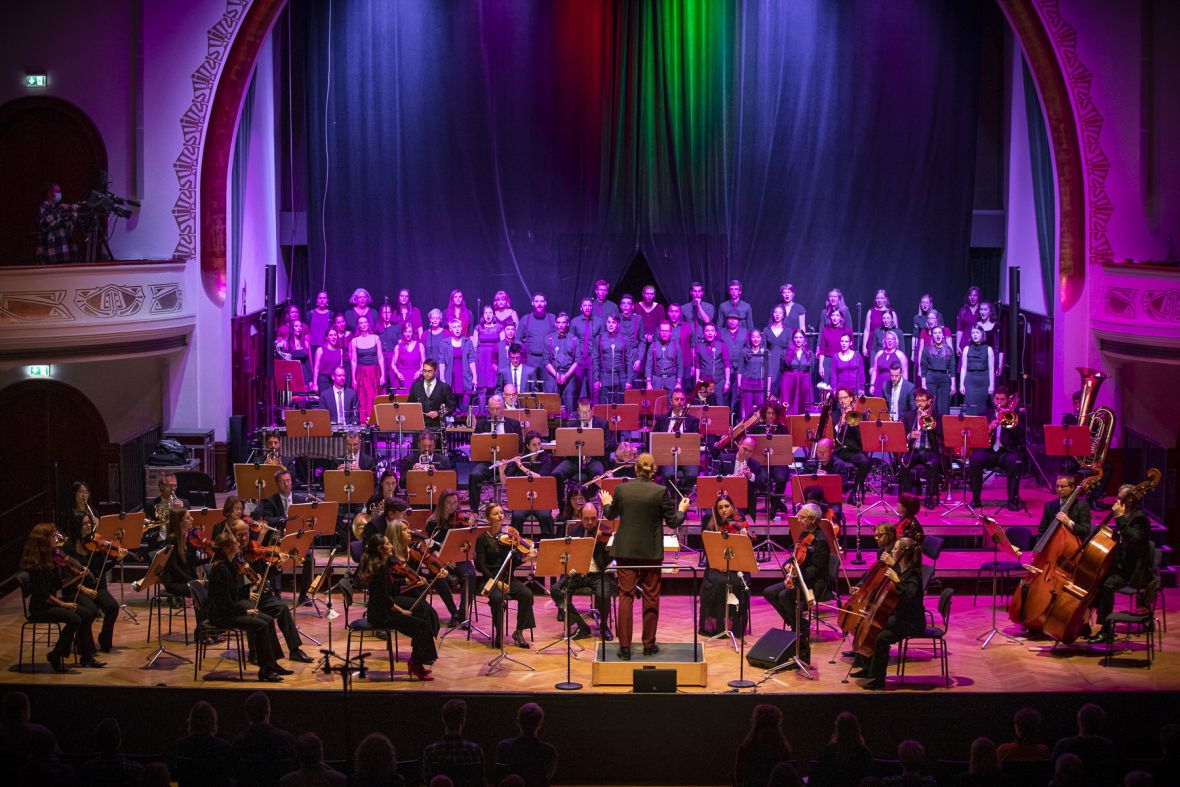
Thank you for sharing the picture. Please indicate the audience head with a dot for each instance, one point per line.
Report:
(309, 749)
(376, 757)
(155, 774)
(984, 758)
(766, 731)
(454, 715)
(202, 719)
(16, 708)
(1027, 723)
(258, 708)
(784, 775)
(529, 718)
(441, 780)
(1091, 719)
(847, 734)
(1138, 779)
(911, 756)
(1069, 771)
(108, 737)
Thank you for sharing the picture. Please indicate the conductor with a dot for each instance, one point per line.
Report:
(643, 508)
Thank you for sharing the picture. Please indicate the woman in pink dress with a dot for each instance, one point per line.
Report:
(405, 311)
(407, 360)
(487, 337)
(368, 367)
(457, 310)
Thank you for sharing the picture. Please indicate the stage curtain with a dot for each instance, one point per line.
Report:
(521, 145)
(1044, 185)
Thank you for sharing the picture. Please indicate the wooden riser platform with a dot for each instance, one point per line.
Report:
(691, 670)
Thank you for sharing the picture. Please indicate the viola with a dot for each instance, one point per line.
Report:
(735, 526)
(510, 537)
(1037, 591)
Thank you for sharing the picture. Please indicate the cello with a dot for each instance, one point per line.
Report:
(1079, 577)
(1034, 594)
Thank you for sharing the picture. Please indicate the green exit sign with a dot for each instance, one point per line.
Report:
(42, 370)
(36, 80)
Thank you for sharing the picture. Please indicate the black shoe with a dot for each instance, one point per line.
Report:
(874, 685)
(104, 645)
(252, 659)
(583, 632)
(1015, 505)
(497, 642)
(279, 670)
(519, 640)
(623, 653)
(861, 673)
(299, 655)
(560, 615)
(1099, 634)
(454, 622)
(92, 663)
(651, 651)
(608, 635)
(976, 503)
(266, 676)
(931, 503)
(302, 600)
(55, 661)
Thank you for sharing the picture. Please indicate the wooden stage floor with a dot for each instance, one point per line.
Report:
(462, 666)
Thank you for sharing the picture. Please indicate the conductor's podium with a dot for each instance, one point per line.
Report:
(610, 670)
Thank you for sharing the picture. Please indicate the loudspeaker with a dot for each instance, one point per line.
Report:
(775, 647)
(649, 680)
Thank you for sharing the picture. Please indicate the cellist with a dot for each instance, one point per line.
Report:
(908, 617)
(812, 553)
(1134, 561)
(1077, 518)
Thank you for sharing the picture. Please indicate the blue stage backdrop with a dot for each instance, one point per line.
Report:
(537, 145)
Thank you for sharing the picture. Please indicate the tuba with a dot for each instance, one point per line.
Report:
(1099, 420)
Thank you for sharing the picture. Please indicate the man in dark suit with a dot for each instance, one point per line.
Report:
(355, 455)
(899, 394)
(815, 575)
(274, 509)
(432, 394)
(263, 752)
(1077, 518)
(1006, 452)
(740, 463)
(925, 448)
(495, 423)
(339, 400)
(643, 509)
(678, 420)
(517, 372)
(592, 466)
(426, 456)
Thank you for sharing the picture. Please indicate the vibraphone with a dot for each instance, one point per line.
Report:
(314, 447)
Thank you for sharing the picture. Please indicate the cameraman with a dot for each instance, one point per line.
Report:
(55, 228)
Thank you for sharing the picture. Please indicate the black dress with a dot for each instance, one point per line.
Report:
(386, 589)
(489, 556)
(228, 608)
(715, 589)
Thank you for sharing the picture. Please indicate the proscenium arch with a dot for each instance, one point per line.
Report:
(1026, 23)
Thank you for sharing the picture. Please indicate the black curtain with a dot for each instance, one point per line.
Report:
(526, 145)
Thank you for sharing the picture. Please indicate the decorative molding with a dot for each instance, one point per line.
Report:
(166, 298)
(30, 306)
(1148, 305)
(1162, 305)
(1089, 122)
(110, 300)
(192, 125)
(103, 303)
(1120, 302)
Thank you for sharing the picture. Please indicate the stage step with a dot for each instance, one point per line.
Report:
(610, 670)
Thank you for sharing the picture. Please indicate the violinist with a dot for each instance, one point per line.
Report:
(425, 458)
(812, 556)
(492, 549)
(908, 526)
(924, 437)
(533, 467)
(230, 607)
(47, 600)
(404, 542)
(848, 443)
(178, 571)
(602, 585)
(355, 456)
(1077, 518)
(269, 602)
(773, 422)
(231, 511)
(909, 616)
(494, 423)
(1134, 559)
(1005, 452)
(445, 516)
(718, 584)
(80, 528)
(422, 554)
(389, 607)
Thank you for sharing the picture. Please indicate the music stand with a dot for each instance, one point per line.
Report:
(871, 408)
(973, 431)
(526, 493)
(833, 488)
(999, 540)
(890, 439)
(711, 487)
(736, 553)
(620, 417)
(255, 481)
(205, 518)
(424, 486)
(456, 548)
(549, 402)
(579, 442)
(307, 423)
(676, 449)
(609, 485)
(290, 373)
(494, 449)
(776, 450)
(399, 417)
(1072, 440)
(525, 415)
(561, 557)
(645, 398)
(124, 530)
(714, 419)
(342, 486)
(154, 573)
(803, 427)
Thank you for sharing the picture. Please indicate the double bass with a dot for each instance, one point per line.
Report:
(1078, 577)
(1034, 594)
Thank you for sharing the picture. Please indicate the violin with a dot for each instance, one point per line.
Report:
(604, 532)
(201, 544)
(735, 526)
(510, 537)
(421, 551)
(79, 572)
(401, 569)
(99, 543)
(243, 567)
(805, 542)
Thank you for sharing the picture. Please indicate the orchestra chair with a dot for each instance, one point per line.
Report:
(51, 629)
(937, 636)
(478, 597)
(833, 592)
(1022, 539)
(931, 549)
(205, 631)
(359, 627)
(1132, 595)
(1134, 624)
